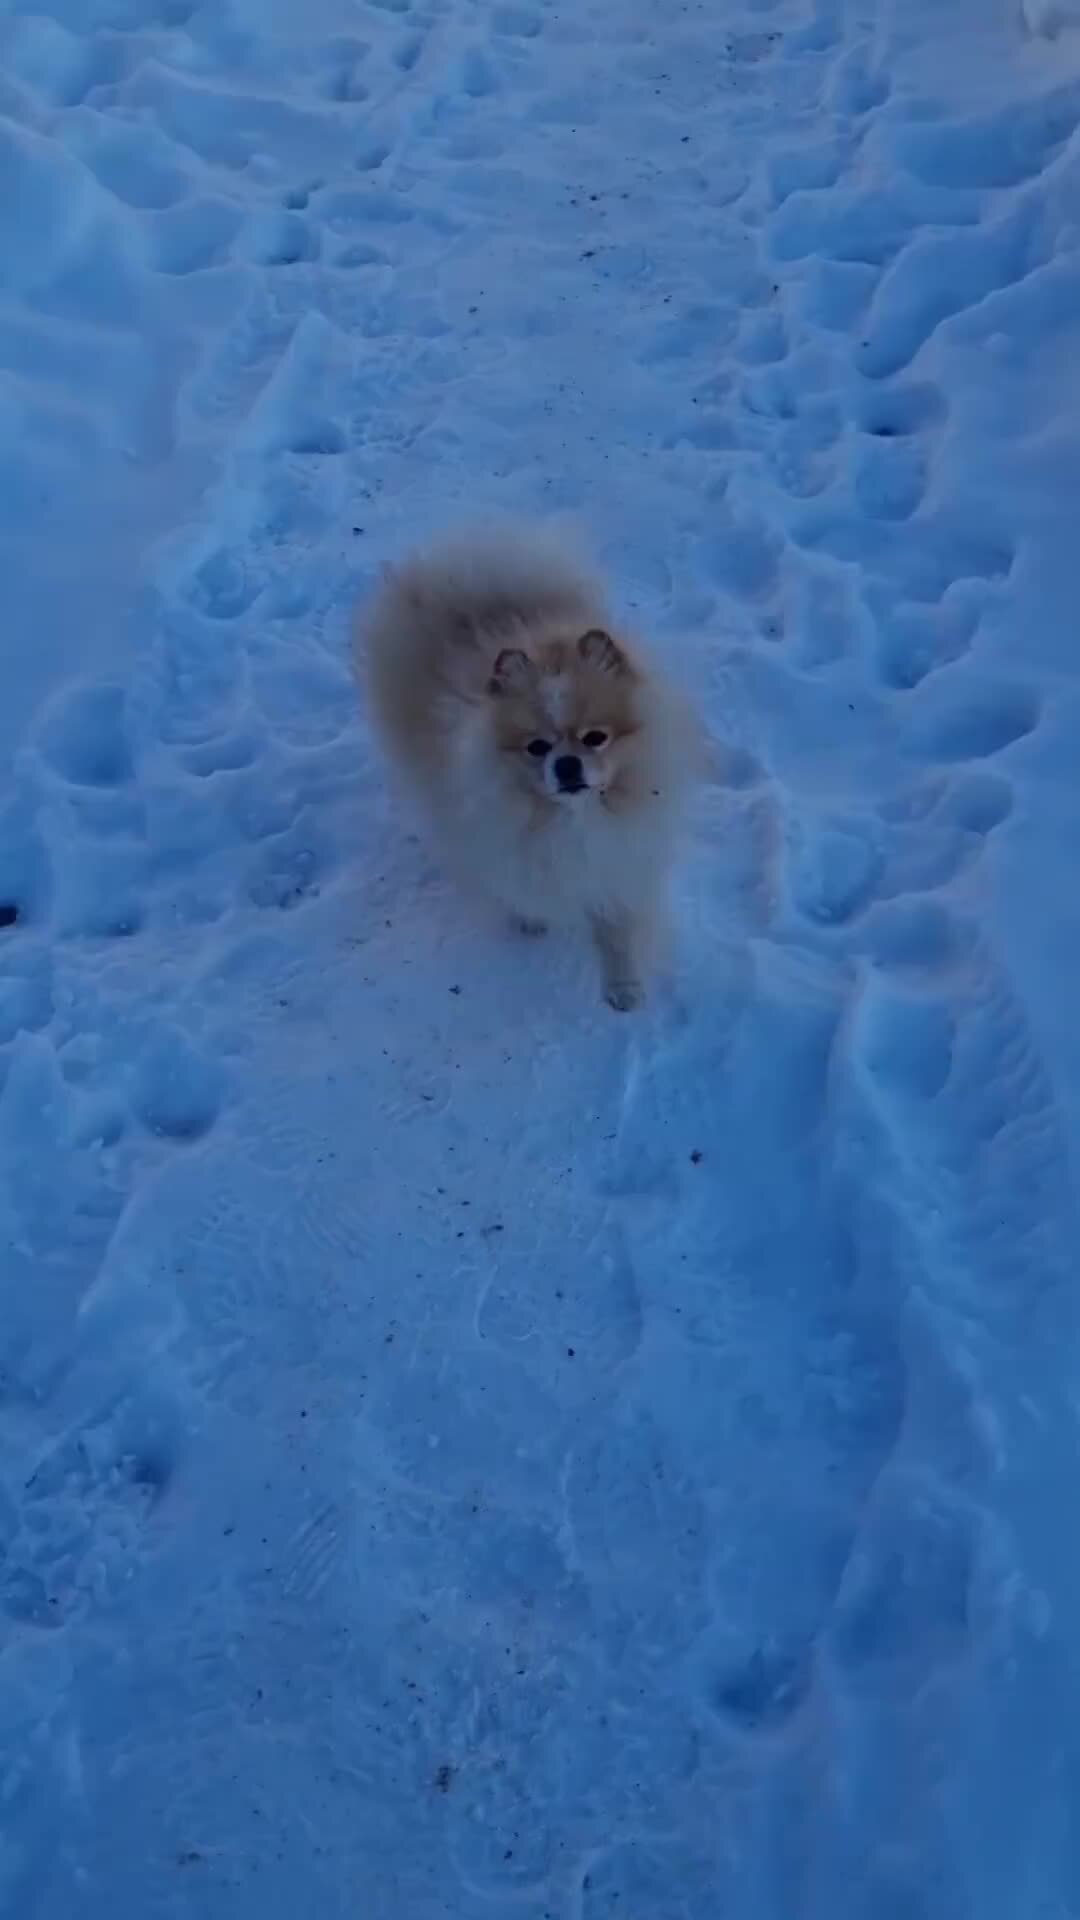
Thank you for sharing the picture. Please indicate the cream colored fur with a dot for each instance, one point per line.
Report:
(477, 649)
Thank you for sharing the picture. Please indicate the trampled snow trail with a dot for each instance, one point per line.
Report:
(462, 1453)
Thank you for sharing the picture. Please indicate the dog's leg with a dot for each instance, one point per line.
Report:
(618, 942)
(524, 923)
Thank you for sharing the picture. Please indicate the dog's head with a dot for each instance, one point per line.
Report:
(565, 714)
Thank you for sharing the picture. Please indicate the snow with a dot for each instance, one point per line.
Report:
(462, 1453)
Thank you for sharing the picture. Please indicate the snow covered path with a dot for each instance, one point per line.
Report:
(462, 1454)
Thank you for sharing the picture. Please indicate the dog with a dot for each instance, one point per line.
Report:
(550, 759)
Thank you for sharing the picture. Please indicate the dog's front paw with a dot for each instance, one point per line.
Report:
(624, 995)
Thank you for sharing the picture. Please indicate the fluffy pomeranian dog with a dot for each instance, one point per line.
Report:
(549, 759)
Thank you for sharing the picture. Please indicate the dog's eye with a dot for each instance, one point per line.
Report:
(596, 737)
(538, 748)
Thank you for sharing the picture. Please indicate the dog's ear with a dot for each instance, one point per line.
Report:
(599, 650)
(512, 671)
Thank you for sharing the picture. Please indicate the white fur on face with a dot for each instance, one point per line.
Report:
(591, 772)
(558, 695)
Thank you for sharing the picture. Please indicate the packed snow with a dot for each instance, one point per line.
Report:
(464, 1453)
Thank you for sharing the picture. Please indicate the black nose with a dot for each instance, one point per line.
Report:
(569, 772)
